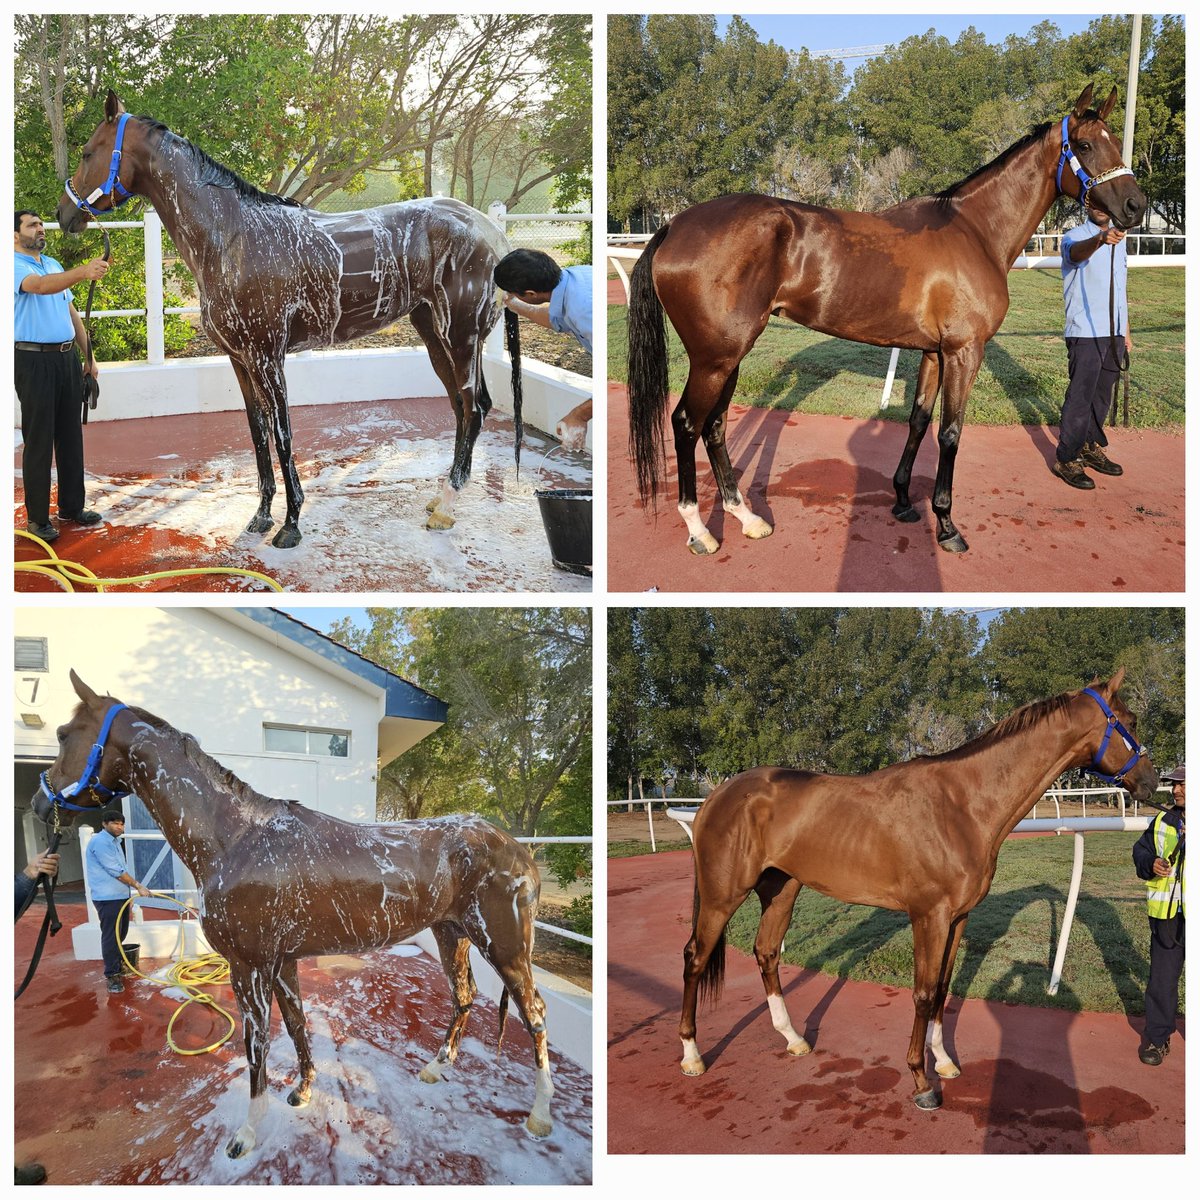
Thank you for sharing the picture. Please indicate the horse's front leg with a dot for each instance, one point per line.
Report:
(959, 369)
(253, 984)
(274, 387)
(929, 378)
(287, 996)
(943, 1064)
(931, 937)
(259, 419)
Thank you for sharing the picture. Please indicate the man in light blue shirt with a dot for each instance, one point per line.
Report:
(1097, 334)
(48, 377)
(109, 882)
(531, 279)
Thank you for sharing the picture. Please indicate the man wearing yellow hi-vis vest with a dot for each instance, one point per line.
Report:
(1158, 856)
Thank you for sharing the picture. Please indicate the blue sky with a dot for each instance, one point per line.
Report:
(323, 618)
(826, 32)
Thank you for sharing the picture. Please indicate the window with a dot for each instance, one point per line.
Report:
(295, 739)
(31, 654)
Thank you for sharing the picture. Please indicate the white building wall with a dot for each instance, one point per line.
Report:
(211, 678)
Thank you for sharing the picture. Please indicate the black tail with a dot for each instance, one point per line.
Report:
(647, 373)
(712, 978)
(512, 334)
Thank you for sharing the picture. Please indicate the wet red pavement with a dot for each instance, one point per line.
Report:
(825, 483)
(102, 1099)
(1034, 1081)
(177, 492)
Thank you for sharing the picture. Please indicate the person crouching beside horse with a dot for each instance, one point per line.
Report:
(1098, 344)
(109, 880)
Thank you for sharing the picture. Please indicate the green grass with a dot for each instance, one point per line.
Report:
(1010, 940)
(1021, 381)
(633, 849)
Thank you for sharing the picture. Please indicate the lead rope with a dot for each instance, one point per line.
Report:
(50, 923)
(91, 389)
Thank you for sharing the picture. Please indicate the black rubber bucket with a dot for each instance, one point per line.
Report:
(132, 952)
(567, 517)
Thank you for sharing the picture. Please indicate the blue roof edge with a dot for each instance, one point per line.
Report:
(401, 698)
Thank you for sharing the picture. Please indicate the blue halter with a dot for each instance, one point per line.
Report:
(1131, 743)
(112, 185)
(1086, 182)
(90, 779)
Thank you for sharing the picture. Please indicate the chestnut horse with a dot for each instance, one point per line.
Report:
(279, 882)
(930, 274)
(919, 837)
(275, 276)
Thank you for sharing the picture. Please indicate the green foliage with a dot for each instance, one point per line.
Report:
(702, 694)
(579, 914)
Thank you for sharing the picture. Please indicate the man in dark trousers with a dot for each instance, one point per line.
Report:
(1097, 332)
(48, 377)
(1158, 857)
(109, 882)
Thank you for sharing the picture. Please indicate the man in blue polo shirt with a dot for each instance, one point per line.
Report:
(109, 882)
(49, 380)
(1097, 333)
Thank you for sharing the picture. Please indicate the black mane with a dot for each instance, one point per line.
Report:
(1035, 134)
(214, 174)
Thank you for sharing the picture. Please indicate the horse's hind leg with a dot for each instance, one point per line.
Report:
(253, 984)
(287, 996)
(703, 970)
(777, 893)
(929, 378)
(753, 526)
(455, 950)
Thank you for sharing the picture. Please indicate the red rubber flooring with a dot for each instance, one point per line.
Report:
(1034, 1081)
(102, 1099)
(177, 492)
(825, 483)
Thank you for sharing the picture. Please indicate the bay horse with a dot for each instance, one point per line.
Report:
(920, 837)
(279, 882)
(275, 276)
(929, 274)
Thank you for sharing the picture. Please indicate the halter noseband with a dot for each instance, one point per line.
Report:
(112, 185)
(1086, 182)
(1131, 743)
(90, 779)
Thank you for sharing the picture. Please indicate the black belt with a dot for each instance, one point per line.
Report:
(48, 347)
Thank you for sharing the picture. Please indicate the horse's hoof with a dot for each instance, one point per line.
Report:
(908, 514)
(692, 1066)
(286, 538)
(927, 1101)
(758, 528)
(948, 1070)
(298, 1099)
(954, 544)
(260, 523)
(799, 1048)
(438, 519)
(433, 504)
(238, 1147)
(707, 544)
(428, 1076)
(537, 1128)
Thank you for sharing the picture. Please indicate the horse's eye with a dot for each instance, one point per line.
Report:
(62, 736)
(1085, 145)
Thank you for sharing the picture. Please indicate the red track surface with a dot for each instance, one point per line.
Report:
(104, 1100)
(1034, 1081)
(825, 483)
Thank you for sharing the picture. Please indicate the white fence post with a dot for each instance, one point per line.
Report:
(156, 350)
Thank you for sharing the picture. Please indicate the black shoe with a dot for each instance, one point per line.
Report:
(83, 517)
(29, 1173)
(1092, 455)
(115, 983)
(1153, 1055)
(46, 532)
(1073, 473)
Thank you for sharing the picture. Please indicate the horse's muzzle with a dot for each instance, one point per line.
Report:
(71, 219)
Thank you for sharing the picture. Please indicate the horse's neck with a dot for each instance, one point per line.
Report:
(193, 214)
(1007, 202)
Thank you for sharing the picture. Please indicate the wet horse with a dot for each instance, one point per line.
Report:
(930, 274)
(920, 837)
(279, 882)
(275, 276)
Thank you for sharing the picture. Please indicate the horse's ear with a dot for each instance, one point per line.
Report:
(84, 692)
(113, 107)
(1114, 684)
(1107, 106)
(1084, 102)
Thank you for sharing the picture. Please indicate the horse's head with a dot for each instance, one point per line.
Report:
(1090, 166)
(91, 766)
(1112, 745)
(106, 176)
